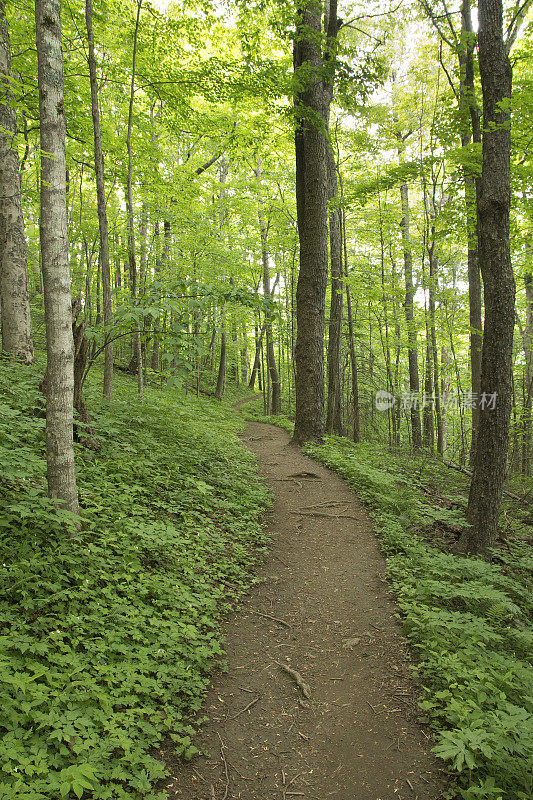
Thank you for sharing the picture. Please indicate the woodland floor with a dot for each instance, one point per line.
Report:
(322, 607)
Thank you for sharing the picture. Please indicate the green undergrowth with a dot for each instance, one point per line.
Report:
(468, 621)
(108, 635)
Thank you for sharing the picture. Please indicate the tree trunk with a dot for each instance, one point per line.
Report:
(244, 354)
(334, 406)
(471, 130)
(159, 264)
(396, 409)
(312, 101)
(385, 344)
(490, 460)
(83, 433)
(259, 334)
(435, 355)
(275, 401)
(432, 338)
(356, 428)
(129, 208)
(221, 377)
(14, 291)
(528, 375)
(102, 211)
(61, 473)
(427, 411)
(444, 389)
(257, 359)
(412, 352)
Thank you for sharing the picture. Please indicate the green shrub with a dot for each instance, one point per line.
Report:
(108, 635)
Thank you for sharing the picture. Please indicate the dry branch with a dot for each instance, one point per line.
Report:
(274, 619)
(302, 685)
(246, 708)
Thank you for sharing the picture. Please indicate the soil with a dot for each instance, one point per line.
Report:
(343, 724)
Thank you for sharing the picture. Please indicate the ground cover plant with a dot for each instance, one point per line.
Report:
(108, 634)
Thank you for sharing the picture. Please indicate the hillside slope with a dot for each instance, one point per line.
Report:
(107, 635)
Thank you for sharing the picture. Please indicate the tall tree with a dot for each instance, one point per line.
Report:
(101, 201)
(61, 473)
(221, 375)
(412, 347)
(313, 71)
(129, 209)
(490, 460)
(275, 401)
(471, 132)
(334, 405)
(14, 292)
(159, 264)
(356, 428)
(464, 44)
(527, 338)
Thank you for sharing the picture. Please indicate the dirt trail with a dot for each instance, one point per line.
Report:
(323, 609)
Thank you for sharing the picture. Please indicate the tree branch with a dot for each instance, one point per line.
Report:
(513, 29)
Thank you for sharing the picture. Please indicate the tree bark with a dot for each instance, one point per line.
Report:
(528, 375)
(14, 290)
(129, 209)
(412, 352)
(490, 461)
(102, 211)
(159, 264)
(471, 130)
(433, 264)
(356, 427)
(244, 354)
(433, 354)
(427, 411)
(464, 44)
(221, 376)
(275, 401)
(222, 368)
(257, 359)
(334, 405)
(61, 473)
(312, 99)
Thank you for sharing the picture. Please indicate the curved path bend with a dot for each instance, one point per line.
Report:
(321, 615)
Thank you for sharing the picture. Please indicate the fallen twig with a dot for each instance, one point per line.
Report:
(302, 685)
(287, 480)
(289, 794)
(274, 619)
(256, 700)
(222, 746)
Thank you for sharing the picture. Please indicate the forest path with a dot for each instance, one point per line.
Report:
(323, 609)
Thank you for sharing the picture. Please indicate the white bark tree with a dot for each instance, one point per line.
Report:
(14, 293)
(59, 382)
